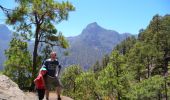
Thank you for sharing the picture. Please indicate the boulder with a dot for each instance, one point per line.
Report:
(10, 90)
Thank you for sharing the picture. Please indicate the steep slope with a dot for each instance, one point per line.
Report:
(5, 36)
(90, 46)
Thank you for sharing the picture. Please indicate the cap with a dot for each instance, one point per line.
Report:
(43, 69)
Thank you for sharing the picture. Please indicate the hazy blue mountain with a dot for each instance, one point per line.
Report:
(91, 45)
(85, 49)
(5, 36)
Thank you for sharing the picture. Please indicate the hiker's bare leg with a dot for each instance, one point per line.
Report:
(58, 91)
(47, 94)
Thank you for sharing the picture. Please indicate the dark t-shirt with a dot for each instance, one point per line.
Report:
(51, 66)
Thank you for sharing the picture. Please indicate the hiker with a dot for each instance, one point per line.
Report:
(40, 84)
(53, 70)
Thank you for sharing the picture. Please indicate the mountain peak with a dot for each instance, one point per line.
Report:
(92, 28)
(92, 25)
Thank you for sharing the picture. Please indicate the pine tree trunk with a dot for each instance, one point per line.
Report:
(148, 67)
(159, 95)
(166, 91)
(35, 55)
(165, 68)
(119, 96)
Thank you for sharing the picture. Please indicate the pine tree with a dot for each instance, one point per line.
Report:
(69, 80)
(18, 63)
(157, 34)
(36, 19)
(114, 79)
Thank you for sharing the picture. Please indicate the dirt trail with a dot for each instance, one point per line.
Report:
(33, 96)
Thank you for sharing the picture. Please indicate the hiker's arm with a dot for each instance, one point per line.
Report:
(59, 69)
(35, 80)
(45, 64)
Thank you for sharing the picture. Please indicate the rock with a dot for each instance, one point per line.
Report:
(10, 90)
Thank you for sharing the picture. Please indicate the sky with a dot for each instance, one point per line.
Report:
(118, 15)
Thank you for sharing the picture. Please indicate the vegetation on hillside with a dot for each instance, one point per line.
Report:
(137, 69)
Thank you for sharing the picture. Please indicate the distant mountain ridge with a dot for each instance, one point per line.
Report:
(5, 37)
(85, 49)
(91, 45)
(5, 33)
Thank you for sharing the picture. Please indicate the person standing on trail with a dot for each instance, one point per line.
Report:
(40, 84)
(53, 71)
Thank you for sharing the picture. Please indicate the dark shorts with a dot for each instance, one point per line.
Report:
(52, 82)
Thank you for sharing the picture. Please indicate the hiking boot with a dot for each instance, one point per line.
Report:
(59, 98)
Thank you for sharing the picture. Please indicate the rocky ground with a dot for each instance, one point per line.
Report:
(10, 91)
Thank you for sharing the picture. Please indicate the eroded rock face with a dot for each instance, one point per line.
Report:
(10, 90)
